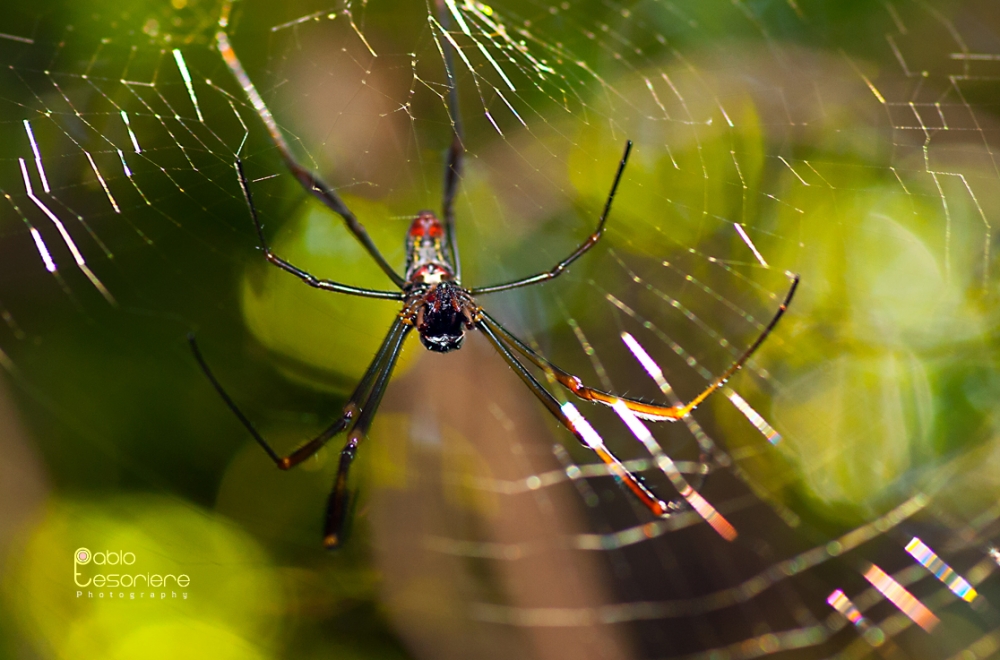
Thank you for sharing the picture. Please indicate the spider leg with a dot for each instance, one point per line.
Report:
(337, 505)
(311, 280)
(350, 409)
(649, 411)
(309, 180)
(578, 426)
(588, 243)
(453, 169)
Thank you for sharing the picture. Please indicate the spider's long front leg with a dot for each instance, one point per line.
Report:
(309, 180)
(650, 411)
(453, 169)
(337, 505)
(588, 243)
(311, 280)
(578, 427)
(354, 408)
(351, 409)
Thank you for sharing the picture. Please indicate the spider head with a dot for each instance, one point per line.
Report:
(444, 317)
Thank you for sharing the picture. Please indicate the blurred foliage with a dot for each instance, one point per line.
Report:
(233, 588)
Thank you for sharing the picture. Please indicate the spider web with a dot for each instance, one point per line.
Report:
(836, 498)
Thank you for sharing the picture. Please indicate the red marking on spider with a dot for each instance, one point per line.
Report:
(426, 225)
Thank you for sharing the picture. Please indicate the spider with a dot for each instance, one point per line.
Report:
(442, 310)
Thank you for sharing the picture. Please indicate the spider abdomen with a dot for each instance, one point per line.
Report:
(425, 259)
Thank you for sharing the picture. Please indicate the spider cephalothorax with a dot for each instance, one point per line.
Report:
(441, 314)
